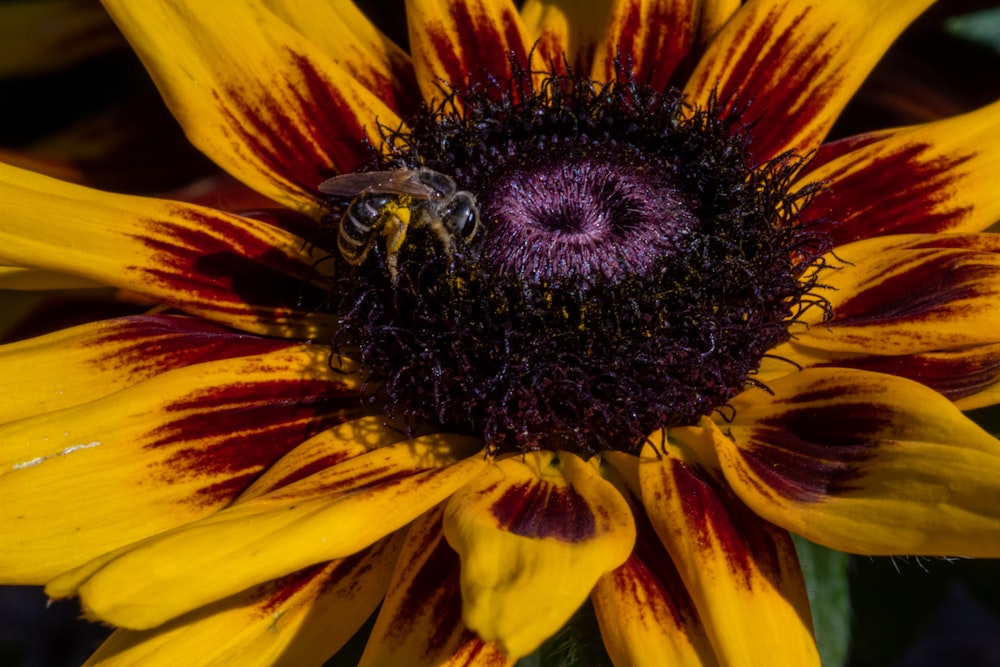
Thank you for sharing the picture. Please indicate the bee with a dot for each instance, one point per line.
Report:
(390, 203)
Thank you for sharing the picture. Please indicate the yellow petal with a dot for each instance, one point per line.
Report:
(458, 43)
(348, 38)
(420, 623)
(325, 450)
(655, 37)
(549, 26)
(741, 571)
(646, 615)
(84, 363)
(866, 463)
(253, 94)
(564, 31)
(226, 268)
(908, 294)
(534, 532)
(639, 619)
(969, 376)
(300, 620)
(78, 482)
(330, 514)
(17, 278)
(938, 177)
(793, 66)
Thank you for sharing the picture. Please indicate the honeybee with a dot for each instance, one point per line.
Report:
(389, 203)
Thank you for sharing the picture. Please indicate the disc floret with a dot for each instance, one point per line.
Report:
(631, 269)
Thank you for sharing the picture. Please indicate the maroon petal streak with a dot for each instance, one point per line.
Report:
(307, 143)
(145, 345)
(741, 571)
(455, 44)
(962, 376)
(545, 510)
(928, 178)
(874, 189)
(864, 462)
(788, 68)
(896, 295)
(644, 609)
(660, 39)
(213, 267)
(83, 364)
(238, 430)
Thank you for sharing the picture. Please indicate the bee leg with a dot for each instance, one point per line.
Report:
(394, 231)
(392, 264)
(443, 235)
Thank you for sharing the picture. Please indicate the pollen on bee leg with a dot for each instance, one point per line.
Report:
(392, 204)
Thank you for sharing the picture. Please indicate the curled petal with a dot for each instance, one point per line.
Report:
(458, 43)
(167, 451)
(741, 571)
(253, 94)
(792, 66)
(865, 463)
(534, 532)
(420, 623)
(938, 177)
(330, 514)
(301, 619)
(226, 268)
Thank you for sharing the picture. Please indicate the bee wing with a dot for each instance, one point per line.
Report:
(398, 182)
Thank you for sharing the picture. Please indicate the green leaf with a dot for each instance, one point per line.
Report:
(578, 644)
(825, 572)
(981, 27)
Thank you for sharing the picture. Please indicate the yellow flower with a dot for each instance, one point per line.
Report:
(667, 372)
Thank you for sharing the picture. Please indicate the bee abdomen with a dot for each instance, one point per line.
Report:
(357, 227)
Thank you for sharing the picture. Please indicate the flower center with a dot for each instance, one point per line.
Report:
(583, 212)
(586, 263)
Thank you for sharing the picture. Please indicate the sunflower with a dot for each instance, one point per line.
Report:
(566, 301)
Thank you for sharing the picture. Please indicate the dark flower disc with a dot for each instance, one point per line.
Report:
(631, 267)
